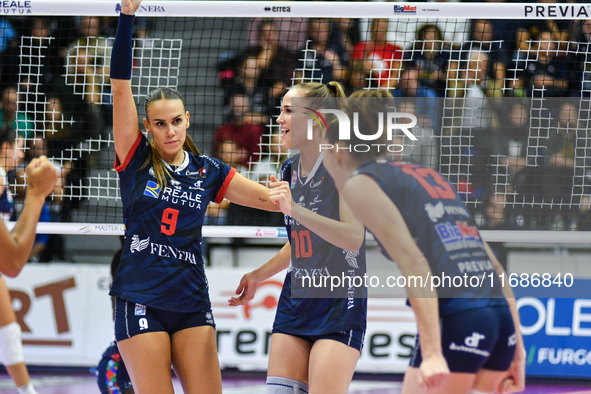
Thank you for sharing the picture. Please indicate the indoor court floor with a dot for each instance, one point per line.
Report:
(84, 383)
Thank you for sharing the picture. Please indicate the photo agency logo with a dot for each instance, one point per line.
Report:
(388, 122)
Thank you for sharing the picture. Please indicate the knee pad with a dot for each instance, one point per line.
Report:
(278, 385)
(11, 347)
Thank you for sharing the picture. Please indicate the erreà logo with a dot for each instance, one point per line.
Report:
(556, 11)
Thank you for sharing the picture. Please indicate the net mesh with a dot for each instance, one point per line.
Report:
(503, 105)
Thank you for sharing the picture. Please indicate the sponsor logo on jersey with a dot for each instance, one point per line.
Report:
(351, 258)
(138, 245)
(140, 310)
(171, 251)
(152, 189)
(314, 185)
(475, 266)
(437, 211)
(212, 161)
(310, 272)
(458, 236)
(315, 201)
(179, 197)
(197, 186)
(151, 171)
(175, 183)
(201, 173)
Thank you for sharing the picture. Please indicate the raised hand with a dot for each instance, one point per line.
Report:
(129, 7)
(41, 177)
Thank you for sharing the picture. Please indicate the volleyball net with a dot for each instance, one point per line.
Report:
(501, 93)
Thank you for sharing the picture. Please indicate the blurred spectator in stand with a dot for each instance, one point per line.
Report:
(47, 247)
(382, 60)
(429, 58)
(425, 150)
(64, 139)
(246, 82)
(517, 129)
(230, 152)
(11, 154)
(548, 75)
(480, 144)
(560, 161)
(524, 49)
(583, 56)
(358, 77)
(9, 51)
(12, 116)
(276, 63)
(244, 128)
(426, 101)
(264, 70)
(497, 57)
(87, 62)
(345, 35)
(318, 61)
(291, 35)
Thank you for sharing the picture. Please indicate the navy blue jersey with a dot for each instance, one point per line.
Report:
(313, 256)
(442, 228)
(161, 265)
(6, 200)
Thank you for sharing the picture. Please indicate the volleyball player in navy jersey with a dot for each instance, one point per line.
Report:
(423, 225)
(163, 312)
(316, 342)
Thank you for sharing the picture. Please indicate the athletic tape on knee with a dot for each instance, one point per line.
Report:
(11, 347)
(278, 385)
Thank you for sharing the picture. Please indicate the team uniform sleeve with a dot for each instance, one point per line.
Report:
(139, 148)
(223, 175)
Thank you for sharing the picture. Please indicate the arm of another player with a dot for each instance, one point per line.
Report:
(17, 244)
(381, 216)
(250, 282)
(348, 233)
(125, 118)
(249, 193)
(515, 380)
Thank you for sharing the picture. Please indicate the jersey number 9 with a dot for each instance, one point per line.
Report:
(169, 218)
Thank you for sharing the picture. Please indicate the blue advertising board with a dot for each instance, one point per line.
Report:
(557, 336)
